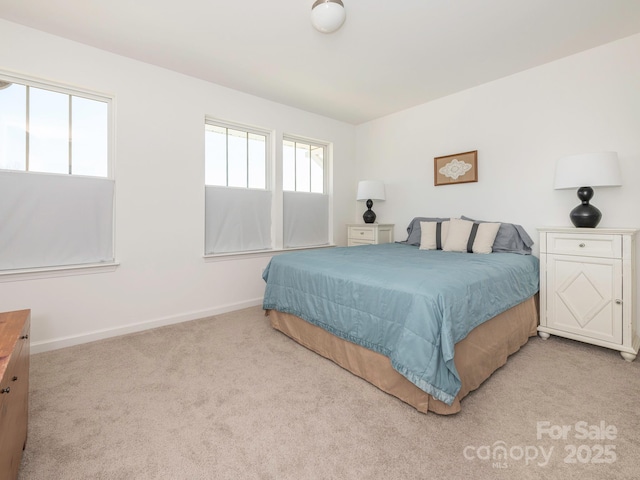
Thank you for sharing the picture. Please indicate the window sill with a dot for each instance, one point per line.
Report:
(62, 271)
(259, 253)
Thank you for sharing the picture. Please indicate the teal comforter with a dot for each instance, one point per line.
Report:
(408, 304)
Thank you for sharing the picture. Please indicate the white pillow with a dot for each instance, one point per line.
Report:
(428, 237)
(460, 232)
(485, 236)
(458, 235)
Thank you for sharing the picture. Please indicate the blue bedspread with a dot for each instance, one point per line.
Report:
(408, 304)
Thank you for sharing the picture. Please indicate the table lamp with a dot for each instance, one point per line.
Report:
(370, 190)
(583, 172)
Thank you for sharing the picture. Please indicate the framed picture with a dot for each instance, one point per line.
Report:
(452, 169)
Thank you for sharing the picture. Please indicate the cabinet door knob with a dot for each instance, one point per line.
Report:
(5, 390)
(618, 302)
(582, 245)
(24, 337)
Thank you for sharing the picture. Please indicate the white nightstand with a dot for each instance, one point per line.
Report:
(587, 286)
(369, 233)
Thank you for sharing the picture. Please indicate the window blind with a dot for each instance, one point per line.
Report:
(51, 220)
(306, 221)
(237, 220)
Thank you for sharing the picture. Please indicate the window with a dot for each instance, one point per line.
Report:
(238, 202)
(247, 209)
(43, 130)
(305, 202)
(303, 167)
(56, 197)
(235, 158)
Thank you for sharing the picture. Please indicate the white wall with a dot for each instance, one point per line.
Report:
(159, 168)
(520, 125)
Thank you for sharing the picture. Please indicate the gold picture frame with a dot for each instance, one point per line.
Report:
(454, 169)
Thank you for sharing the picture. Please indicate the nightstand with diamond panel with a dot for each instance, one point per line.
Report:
(587, 287)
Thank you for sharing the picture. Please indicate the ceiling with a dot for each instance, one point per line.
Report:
(388, 56)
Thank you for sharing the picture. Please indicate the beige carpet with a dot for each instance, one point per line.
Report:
(228, 397)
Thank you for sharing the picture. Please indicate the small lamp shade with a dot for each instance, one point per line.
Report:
(370, 190)
(588, 170)
(585, 171)
(327, 16)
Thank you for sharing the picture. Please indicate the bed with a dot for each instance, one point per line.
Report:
(423, 322)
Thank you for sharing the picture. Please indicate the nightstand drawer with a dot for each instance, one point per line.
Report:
(604, 246)
(354, 241)
(362, 233)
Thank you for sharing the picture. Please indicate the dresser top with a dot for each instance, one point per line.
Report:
(11, 324)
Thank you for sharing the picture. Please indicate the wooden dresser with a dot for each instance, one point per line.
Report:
(14, 389)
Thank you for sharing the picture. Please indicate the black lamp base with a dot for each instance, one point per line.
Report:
(369, 216)
(585, 215)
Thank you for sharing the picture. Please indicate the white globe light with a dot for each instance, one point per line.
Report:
(327, 15)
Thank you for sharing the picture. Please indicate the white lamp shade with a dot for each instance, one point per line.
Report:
(327, 16)
(370, 190)
(588, 170)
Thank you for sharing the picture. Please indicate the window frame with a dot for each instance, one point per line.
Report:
(325, 155)
(269, 176)
(58, 87)
(249, 129)
(274, 183)
(110, 100)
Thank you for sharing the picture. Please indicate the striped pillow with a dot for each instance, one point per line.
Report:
(433, 235)
(470, 237)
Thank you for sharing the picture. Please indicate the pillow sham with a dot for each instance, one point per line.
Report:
(433, 235)
(414, 231)
(485, 237)
(467, 236)
(511, 238)
(458, 235)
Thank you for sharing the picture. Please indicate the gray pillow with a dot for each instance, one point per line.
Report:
(415, 232)
(511, 238)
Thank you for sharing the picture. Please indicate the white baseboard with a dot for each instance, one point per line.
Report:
(57, 343)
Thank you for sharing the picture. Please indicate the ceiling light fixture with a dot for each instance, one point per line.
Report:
(327, 16)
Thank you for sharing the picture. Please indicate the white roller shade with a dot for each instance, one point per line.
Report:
(306, 219)
(237, 220)
(54, 220)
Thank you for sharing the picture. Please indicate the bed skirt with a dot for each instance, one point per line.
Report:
(481, 353)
